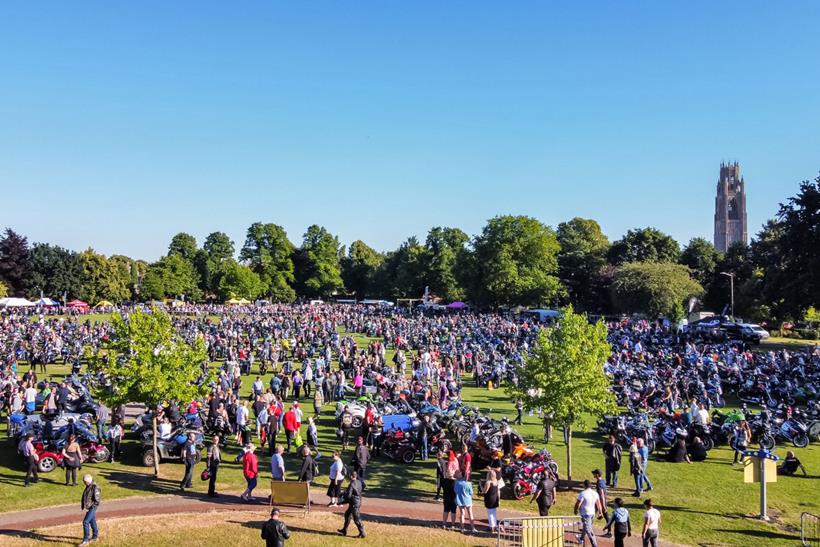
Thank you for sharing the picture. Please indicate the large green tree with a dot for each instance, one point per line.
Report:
(102, 279)
(644, 245)
(702, 258)
(564, 374)
(317, 270)
(269, 253)
(173, 277)
(444, 260)
(238, 281)
(14, 261)
(148, 361)
(582, 255)
(55, 272)
(402, 273)
(183, 245)
(515, 262)
(217, 249)
(359, 269)
(654, 288)
(4, 291)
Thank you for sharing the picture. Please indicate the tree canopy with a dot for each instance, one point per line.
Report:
(269, 253)
(656, 289)
(317, 269)
(14, 261)
(582, 255)
(359, 269)
(644, 245)
(183, 245)
(444, 254)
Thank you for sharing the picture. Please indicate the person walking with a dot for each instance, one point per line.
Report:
(291, 426)
(308, 470)
(318, 401)
(588, 505)
(277, 464)
(214, 459)
(115, 435)
(651, 525)
(26, 448)
(464, 500)
(360, 458)
(612, 461)
(353, 494)
(600, 489)
(250, 470)
(274, 532)
(334, 490)
(492, 496)
(72, 460)
(189, 453)
(636, 468)
(89, 502)
(620, 520)
(544, 494)
(644, 450)
(519, 412)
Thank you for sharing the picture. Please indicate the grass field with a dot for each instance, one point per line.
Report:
(243, 528)
(705, 503)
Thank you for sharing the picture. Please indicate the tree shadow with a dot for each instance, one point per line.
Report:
(763, 534)
(257, 525)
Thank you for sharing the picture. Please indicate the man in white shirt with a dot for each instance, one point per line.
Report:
(589, 504)
(651, 524)
(31, 399)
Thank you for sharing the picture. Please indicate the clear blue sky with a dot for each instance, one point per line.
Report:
(123, 123)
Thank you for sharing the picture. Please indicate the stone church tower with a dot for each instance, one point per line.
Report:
(730, 207)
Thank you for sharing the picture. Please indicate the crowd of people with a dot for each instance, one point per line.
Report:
(298, 354)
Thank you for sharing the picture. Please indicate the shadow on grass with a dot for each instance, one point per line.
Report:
(45, 538)
(762, 534)
(257, 525)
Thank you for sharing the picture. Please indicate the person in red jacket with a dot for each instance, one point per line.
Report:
(250, 468)
(291, 425)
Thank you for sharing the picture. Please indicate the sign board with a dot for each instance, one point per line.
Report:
(751, 469)
(293, 493)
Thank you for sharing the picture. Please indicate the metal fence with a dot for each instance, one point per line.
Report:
(810, 530)
(539, 532)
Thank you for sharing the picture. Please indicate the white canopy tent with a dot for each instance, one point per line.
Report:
(12, 302)
(46, 302)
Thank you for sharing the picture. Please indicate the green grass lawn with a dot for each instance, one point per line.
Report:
(703, 503)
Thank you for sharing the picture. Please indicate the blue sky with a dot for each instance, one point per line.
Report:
(124, 123)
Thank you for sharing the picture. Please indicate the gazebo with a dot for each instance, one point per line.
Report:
(78, 304)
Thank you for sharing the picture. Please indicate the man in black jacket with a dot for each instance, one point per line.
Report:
(354, 505)
(360, 458)
(612, 461)
(89, 503)
(274, 532)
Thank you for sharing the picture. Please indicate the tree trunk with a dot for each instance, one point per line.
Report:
(154, 444)
(568, 440)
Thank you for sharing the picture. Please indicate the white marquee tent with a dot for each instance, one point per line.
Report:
(15, 303)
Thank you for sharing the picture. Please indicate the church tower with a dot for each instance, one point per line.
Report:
(730, 207)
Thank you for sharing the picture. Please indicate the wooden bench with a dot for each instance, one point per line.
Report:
(290, 494)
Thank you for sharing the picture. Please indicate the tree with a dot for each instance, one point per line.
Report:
(653, 288)
(238, 281)
(444, 254)
(402, 273)
(317, 270)
(171, 276)
(55, 272)
(564, 374)
(582, 255)
(217, 249)
(14, 261)
(149, 361)
(515, 262)
(183, 245)
(4, 291)
(644, 245)
(701, 257)
(269, 253)
(359, 269)
(799, 220)
(102, 279)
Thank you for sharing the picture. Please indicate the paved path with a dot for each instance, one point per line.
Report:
(402, 511)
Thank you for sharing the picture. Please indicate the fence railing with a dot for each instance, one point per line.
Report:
(539, 532)
(810, 530)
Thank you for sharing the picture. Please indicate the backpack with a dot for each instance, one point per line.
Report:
(347, 419)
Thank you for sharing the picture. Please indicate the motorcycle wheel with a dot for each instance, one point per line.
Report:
(708, 442)
(801, 441)
(719, 402)
(101, 455)
(148, 458)
(650, 444)
(47, 464)
(357, 422)
(408, 456)
(767, 442)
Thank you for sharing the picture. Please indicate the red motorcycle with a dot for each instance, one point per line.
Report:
(49, 458)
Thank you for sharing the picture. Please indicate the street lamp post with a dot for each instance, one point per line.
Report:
(731, 277)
